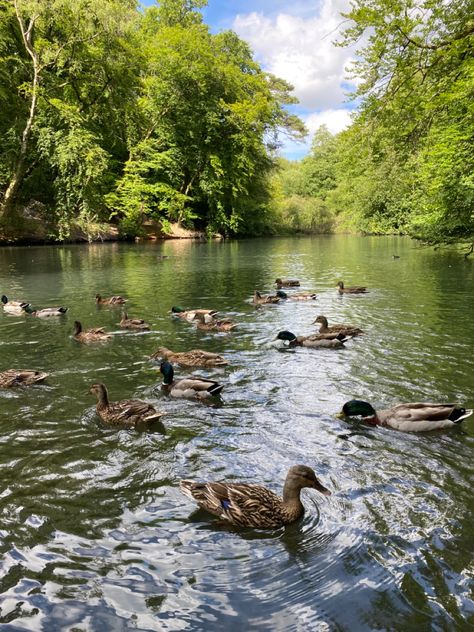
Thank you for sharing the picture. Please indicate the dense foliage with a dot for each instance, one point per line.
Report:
(106, 109)
(406, 163)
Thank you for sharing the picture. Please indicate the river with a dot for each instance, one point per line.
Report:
(94, 532)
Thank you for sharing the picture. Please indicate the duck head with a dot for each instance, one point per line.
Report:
(166, 368)
(281, 294)
(287, 337)
(358, 408)
(300, 476)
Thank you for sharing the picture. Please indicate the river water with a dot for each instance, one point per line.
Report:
(94, 532)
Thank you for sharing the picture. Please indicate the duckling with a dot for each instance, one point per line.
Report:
(255, 506)
(46, 312)
(412, 417)
(350, 290)
(347, 330)
(193, 387)
(195, 357)
(90, 335)
(133, 323)
(126, 412)
(287, 283)
(287, 339)
(13, 307)
(267, 299)
(296, 297)
(192, 314)
(112, 300)
(21, 377)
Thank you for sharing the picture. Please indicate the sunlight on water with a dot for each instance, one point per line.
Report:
(95, 534)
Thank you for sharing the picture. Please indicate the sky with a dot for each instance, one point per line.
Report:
(293, 39)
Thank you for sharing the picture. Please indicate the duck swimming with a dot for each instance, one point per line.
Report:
(46, 312)
(13, 307)
(412, 417)
(350, 290)
(193, 387)
(255, 506)
(112, 300)
(133, 323)
(287, 283)
(89, 335)
(288, 340)
(126, 412)
(195, 357)
(264, 299)
(347, 330)
(21, 377)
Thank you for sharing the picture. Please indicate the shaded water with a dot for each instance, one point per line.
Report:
(94, 533)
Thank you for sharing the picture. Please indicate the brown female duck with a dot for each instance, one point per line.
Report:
(126, 412)
(89, 335)
(195, 357)
(212, 324)
(111, 300)
(296, 297)
(350, 290)
(347, 330)
(286, 283)
(133, 323)
(21, 377)
(264, 299)
(192, 314)
(255, 506)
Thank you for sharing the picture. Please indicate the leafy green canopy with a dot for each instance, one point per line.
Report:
(107, 109)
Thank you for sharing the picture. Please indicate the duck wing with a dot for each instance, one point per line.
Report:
(420, 411)
(198, 385)
(242, 504)
(133, 411)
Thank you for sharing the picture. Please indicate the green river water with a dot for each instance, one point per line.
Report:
(94, 532)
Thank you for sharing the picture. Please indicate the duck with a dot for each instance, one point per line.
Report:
(89, 335)
(264, 299)
(212, 324)
(46, 312)
(287, 283)
(287, 340)
(195, 357)
(13, 307)
(350, 290)
(111, 300)
(412, 417)
(347, 330)
(133, 323)
(193, 387)
(192, 314)
(255, 506)
(126, 412)
(21, 377)
(296, 297)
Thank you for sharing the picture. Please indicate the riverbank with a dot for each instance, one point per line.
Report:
(33, 232)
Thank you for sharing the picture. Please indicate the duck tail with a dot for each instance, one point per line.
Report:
(458, 414)
(63, 310)
(215, 389)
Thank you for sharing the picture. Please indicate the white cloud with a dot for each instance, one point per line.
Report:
(301, 51)
(336, 120)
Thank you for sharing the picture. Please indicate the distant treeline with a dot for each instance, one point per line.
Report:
(111, 111)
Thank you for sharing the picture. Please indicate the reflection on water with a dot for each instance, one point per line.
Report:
(94, 532)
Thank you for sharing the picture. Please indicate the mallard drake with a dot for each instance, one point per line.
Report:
(46, 312)
(287, 339)
(111, 300)
(21, 377)
(296, 297)
(195, 357)
(350, 290)
(126, 412)
(133, 323)
(255, 506)
(266, 299)
(192, 314)
(286, 283)
(347, 330)
(413, 417)
(13, 307)
(212, 324)
(89, 335)
(189, 387)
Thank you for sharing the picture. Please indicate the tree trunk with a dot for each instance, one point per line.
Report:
(9, 199)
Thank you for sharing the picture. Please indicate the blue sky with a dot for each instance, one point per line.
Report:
(294, 40)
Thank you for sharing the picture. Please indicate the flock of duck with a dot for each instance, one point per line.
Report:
(242, 504)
